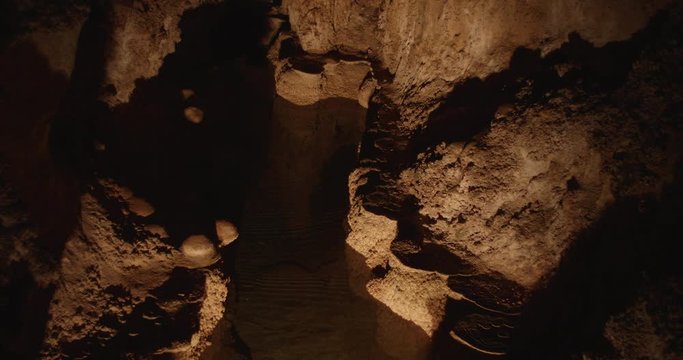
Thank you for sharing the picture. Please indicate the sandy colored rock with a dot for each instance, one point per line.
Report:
(227, 232)
(146, 32)
(432, 45)
(187, 93)
(337, 79)
(194, 114)
(506, 198)
(343, 79)
(299, 87)
(306, 80)
(199, 251)
(107, 279)
(88, 271)
(211, 312)
(140, 206)
(417, 296)
(367, 89)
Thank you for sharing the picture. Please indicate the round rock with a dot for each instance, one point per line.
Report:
(140, 206)
(199, 250)
(226, 231)
(194, 114)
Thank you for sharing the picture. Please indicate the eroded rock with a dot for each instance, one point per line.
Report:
(115, 287)
(199, 250)
(226, 231)
(140, 206)
(143, 33)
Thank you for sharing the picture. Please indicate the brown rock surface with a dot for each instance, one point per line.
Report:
(431, 45)
(518, 190)
(119, 282)
(194, 114)
(472, 199)
(142, 34)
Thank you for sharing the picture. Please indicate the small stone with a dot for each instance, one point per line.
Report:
(187, 93)
(194, 114)
(199, 250)
(140, 207)
(226, 231)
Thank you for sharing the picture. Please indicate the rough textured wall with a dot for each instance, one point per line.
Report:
(37, 57)
(518, 188)
(499, 136)
(123, 286)
(428, 46)
(142, 34)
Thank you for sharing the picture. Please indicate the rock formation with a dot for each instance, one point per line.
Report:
(517, 191)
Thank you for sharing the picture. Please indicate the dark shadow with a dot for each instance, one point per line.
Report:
(294, 299)
(30, 94)
(71, 128)
(634, 244)
(195, 173)
(191, 173)
(44, 139)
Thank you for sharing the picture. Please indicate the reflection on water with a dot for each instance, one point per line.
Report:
(294, 301)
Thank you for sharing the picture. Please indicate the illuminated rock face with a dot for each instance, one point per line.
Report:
(119, 282)
(142, 34)
(428, 46)
(518, 188)
(473, 210)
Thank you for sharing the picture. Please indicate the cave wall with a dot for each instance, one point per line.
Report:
(90, 267)
(515, 155)
(498, 136)
(480, 198)
(428, 46)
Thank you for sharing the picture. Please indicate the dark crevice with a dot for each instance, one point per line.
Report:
(609, 265)
(71, 131)
(483, 334)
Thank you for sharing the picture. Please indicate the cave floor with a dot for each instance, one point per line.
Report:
(294, 299)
